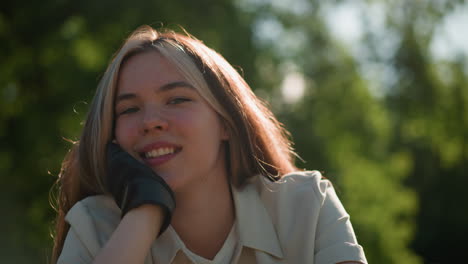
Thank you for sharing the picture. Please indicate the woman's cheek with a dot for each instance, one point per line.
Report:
(125, 133)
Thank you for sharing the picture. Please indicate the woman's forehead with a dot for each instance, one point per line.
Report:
(148, 68)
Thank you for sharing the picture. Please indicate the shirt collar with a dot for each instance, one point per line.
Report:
(255, 226)
(165, 248)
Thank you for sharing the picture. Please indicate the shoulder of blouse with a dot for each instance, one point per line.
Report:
(308, 217)
(296, 186)
(94, 219)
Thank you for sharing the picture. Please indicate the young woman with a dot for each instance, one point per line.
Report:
(179, 162)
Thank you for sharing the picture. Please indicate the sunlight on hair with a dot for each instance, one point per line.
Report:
(293, 87)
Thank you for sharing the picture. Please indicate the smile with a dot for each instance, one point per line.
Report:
(158, 152)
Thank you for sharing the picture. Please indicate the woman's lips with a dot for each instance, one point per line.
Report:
(156, 161)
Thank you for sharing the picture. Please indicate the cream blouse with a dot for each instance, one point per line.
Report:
(298, 219)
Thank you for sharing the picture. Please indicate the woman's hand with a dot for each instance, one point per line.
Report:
(133, 184)
(146, 202)
(133, 237)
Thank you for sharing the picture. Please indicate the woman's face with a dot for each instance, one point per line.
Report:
(163, 121)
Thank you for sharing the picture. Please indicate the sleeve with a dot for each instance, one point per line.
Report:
(74, 250)
(335, 240)
(82, 242)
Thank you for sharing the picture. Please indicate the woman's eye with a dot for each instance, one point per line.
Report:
(178, 100)
(128, 110)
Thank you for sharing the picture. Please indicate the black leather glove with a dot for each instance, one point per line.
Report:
(132, 184)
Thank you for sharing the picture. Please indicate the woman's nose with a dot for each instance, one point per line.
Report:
(154, 120)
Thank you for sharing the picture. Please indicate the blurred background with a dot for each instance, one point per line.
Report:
(374, 93)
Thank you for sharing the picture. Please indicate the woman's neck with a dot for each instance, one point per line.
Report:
(205, 216)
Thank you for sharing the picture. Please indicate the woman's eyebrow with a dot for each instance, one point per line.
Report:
(172, 85)
(125, 96)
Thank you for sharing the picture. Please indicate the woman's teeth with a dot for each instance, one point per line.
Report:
(159, 152)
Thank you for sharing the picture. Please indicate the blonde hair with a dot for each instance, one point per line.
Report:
(257, 145)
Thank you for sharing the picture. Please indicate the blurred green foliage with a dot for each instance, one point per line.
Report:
(398, 158)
